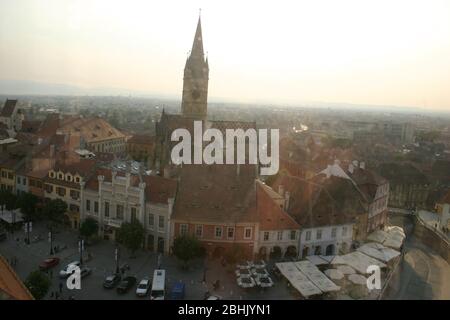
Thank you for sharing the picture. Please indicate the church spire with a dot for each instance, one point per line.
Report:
(197, 46)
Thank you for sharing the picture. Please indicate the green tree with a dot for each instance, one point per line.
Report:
(89, 227)
(8, 199)
(38, 283)
(131, 235)
(27, 203)
(186, 248)
(54, 211)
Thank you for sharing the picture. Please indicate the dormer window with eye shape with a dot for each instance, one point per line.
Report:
(69, 177)
(52, 174)
(77, 179)
(60, 176)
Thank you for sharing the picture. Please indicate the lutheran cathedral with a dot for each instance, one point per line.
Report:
(194, 106)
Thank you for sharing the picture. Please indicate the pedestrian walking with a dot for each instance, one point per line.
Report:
(60, 287)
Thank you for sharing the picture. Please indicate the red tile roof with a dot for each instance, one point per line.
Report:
(11, 284)
(271, 216)
(216, 193)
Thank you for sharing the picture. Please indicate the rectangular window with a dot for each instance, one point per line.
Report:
(106, 209)
(308, 235)
(10, 176)
(151, 220)
(344, 231)
(119, 211)
(230, 232)
(319, 234)
(247, 233)
(74, 194)
(133, 214)
(333, 232)
(266, 236)
(161, 222)
(293, 234)
(88, 205)
(183, 229)
(280, 235)
(199, 231)
(24, 181)
(61, 191)
(32, 183)
(18, 180)
(96, 207)
(218, 232)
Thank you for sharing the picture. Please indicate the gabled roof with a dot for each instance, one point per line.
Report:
(271, 215)
(321, 201)
(10, 283)
(8, 108)
(216, 194)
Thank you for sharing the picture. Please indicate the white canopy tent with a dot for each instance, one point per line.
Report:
(360, 262)
(318, 278)
(297, 279)
(379, 252)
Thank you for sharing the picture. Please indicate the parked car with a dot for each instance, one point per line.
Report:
(48, 263)
(67, 271)
(126, 284)
(143, 287)
(111, 281)
(213, 297)
(85, 271)
(244, 265)
(246, 282)
(260, 272)
(264, 282)
(259, 264)
(178, 291)
(243, 273)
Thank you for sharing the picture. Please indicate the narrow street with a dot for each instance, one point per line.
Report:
(423, 273)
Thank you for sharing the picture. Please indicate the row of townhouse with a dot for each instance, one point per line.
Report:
(114, 197)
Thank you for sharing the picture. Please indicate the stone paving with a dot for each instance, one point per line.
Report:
(102, 263)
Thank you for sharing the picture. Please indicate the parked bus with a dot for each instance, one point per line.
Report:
(159, 285)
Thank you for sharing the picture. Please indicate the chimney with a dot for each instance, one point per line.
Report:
(281, 190)
(362, 165)
(286, 200)
(351, 168)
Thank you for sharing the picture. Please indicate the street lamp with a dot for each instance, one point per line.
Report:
(81, 249)
(50, 239)
(117, 259)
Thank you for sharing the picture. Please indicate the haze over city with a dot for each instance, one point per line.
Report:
(380, 53)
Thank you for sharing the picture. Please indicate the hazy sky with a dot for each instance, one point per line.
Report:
(391, 52)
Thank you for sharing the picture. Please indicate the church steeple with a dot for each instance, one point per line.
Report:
(195, 81)
(197, 45)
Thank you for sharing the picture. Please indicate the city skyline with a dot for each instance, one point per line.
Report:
(137, 49)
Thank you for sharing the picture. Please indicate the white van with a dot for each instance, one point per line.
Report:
(159, 285)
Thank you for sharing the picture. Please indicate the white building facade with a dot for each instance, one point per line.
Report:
(325, 240)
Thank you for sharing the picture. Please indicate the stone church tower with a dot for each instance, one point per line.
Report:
(195, 81)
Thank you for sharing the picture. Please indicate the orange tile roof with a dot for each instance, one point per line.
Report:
(11, 284)
(271, 216)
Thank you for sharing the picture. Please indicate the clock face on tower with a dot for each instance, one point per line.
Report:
(195, 94)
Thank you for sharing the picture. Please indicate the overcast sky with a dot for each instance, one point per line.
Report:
(367, 52)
